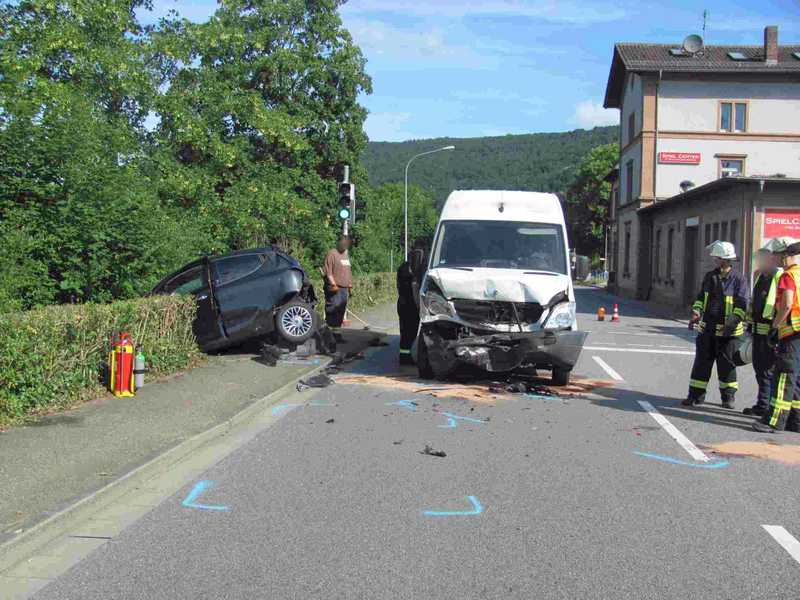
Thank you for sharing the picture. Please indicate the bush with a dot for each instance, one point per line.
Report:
(55, 356)
(368, 291)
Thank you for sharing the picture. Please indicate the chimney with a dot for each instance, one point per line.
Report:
(771, 44)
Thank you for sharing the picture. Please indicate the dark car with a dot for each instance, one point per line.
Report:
(246, 294)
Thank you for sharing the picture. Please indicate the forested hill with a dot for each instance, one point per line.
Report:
(542, 162)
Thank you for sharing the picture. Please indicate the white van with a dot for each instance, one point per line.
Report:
(498, 293)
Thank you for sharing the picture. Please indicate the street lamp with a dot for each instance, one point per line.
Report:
(405, 210)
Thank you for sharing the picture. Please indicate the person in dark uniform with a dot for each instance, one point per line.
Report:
(719, 311)
(760, 313)
(409, 278)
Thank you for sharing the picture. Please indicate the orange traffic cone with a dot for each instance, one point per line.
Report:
(615, 316)
(601, 313)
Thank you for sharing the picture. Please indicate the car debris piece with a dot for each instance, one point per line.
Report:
(270, 354)
(330, 421)
(320, 380)
(431, 452)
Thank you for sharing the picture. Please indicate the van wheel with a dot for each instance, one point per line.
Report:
(560, 376)
(296, 322)
(423, 364)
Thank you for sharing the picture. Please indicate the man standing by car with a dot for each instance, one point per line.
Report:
(338, 284)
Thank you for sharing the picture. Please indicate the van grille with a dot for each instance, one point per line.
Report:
(485, 311)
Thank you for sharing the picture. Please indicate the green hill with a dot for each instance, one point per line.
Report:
(542, 162)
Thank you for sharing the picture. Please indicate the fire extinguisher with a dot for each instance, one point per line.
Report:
(138, 368)
(121, 366)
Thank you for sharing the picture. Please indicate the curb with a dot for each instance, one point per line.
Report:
(26, 544)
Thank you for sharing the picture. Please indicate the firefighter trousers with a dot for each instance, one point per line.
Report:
(408, 314)
(763, 365)
(710, 349)
(784, 409)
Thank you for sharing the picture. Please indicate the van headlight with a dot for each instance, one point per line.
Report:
(433, 300)
(562, 316)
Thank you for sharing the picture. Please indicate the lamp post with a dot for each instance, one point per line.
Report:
(405, 209)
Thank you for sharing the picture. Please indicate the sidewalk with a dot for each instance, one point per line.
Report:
(50, 464)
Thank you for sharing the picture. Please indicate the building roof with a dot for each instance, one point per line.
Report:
(715, 186)
(649, 58)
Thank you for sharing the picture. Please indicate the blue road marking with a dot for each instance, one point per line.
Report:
(675, 461)
(541, 397)
(470, 419)
(476, 510)
(451, 423)
(409, 404)
(197, 490)
(279, 408)
(321, 404)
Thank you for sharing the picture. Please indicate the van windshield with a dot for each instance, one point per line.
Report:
(500, 245)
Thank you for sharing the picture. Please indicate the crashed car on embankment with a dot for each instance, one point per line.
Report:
(249, 294)
(498, 293)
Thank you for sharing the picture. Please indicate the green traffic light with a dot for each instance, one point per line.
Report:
(344, 213)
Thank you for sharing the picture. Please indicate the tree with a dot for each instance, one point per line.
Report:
(587, 200)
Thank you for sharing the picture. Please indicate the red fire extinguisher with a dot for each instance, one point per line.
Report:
(120, 363)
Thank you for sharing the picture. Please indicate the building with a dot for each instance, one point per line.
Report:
(709, 149)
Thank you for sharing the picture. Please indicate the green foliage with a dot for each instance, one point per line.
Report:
(587, 200)
(540, 162)
(53, 357)
(368, 290)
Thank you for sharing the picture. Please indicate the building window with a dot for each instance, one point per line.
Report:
(626, 265)
(708, 234)
(731, 166)
(733, 116)
(629, 181)
(658, 255)
(734, 232)
(670, 241)
(631, 126)
(716, 232)
(723, 233)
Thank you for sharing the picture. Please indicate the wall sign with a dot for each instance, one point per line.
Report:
(781, 221)
(679, 158)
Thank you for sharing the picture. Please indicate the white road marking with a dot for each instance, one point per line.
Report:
(684, 442)
(785, 539)
(643, 350)
(612, 373)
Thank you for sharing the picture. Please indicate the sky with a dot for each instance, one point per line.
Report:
(471, 68)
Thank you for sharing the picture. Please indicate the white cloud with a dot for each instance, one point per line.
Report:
(388, 126)
(563, 11)
(590, 114)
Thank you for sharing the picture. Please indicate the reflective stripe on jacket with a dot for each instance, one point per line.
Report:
(792, 324)
(762, 305)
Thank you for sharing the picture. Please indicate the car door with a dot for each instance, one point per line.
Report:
(195, 280)
(241, 290)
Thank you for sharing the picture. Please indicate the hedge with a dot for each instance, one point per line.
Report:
(368, 290)
(55, 356)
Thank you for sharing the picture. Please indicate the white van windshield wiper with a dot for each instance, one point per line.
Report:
(541, 273)
(459, 268)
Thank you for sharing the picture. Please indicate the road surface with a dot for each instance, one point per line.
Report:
(612, 493)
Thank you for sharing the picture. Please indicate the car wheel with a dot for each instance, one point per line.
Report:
(423, 364)
(296, 322)
(560, 376)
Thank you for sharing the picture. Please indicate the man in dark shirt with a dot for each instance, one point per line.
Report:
(719, 312)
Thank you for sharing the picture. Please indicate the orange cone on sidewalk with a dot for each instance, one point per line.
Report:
(601, 313)
(615, 316)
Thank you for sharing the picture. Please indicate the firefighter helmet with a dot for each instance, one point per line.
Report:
(720, 249)
(779, 245)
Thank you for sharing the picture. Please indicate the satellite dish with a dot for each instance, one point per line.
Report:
(692, 44)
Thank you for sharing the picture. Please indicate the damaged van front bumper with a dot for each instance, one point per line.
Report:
(449, 346)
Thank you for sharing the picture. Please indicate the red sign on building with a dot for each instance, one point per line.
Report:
(679, 158)
(781, 222)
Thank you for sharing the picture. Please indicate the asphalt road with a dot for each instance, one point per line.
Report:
(535, 498)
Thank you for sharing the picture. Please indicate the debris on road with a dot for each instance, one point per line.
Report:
(330, 421)
(788, 454)
(431, 452)
(270, 354)
(320, 380)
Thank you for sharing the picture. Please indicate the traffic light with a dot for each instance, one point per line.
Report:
(347, 202)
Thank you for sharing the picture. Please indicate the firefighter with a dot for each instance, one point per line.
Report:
(719, 311)
(784, 410)
(760, 313)
(409, 278)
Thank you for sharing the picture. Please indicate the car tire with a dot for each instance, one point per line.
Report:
(560, 377)
(423, 364)
(296, 322)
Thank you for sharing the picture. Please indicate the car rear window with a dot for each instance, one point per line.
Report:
(236, 267)
(188, 282)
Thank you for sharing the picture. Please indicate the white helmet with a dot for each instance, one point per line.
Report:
(779, 244)
(720, 249)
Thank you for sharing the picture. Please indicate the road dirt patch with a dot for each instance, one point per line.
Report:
(480, 392)
(788, 454)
